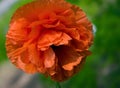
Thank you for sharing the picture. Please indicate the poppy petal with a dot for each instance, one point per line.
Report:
(20, 34)
(30, 68)
(34, 55)
(67, 57)
(49, 57)
(51, 37)
(72, 32)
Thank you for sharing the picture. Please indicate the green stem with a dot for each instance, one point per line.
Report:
(58, 85)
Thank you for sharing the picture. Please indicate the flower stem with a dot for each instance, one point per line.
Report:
(58, 85)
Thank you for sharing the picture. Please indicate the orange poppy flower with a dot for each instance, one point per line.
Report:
(51, 37)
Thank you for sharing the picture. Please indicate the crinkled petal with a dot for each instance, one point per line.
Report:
(67, 57)
(30, 68)
(34, 55)
(49, 58)
(18, 31)
(51, 37)
(64, 40)
(72, 32)
(62, 75)
(30, 10)
(77, 45)
(24, 56)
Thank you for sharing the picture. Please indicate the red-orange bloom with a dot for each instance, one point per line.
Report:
(51, 37)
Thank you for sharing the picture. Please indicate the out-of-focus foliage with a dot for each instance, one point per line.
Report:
(102, 68)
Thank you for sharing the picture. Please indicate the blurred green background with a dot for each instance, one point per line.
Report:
(102, 68)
